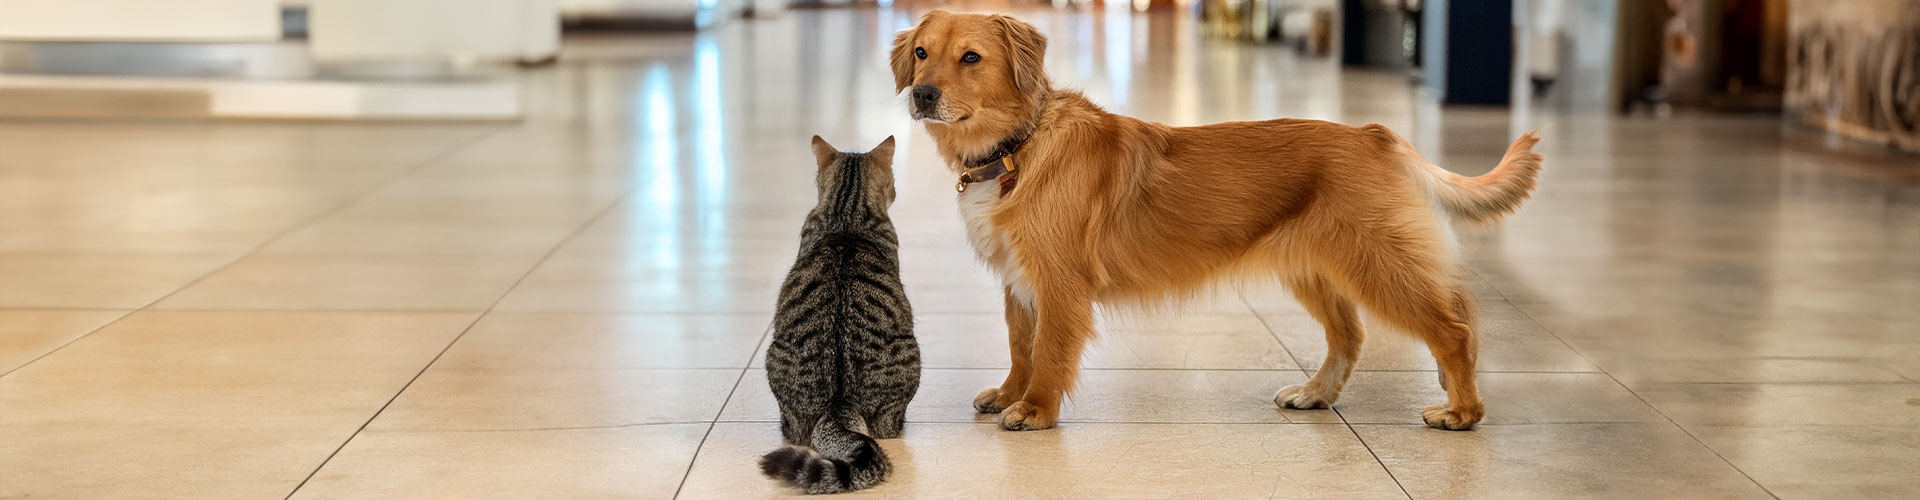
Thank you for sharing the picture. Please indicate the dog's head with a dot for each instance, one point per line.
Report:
(979, 73)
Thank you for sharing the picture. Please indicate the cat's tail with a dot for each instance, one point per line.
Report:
(841, 459)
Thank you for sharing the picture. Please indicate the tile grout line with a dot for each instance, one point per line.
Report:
(463, 333)
(1376, 455)
(1336, 411)
(116, 319)
(298, 225)
(1616, 381)
(722, 411)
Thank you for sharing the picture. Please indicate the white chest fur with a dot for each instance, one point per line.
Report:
(977, 204)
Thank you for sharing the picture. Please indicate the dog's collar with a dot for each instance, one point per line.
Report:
(997, 165)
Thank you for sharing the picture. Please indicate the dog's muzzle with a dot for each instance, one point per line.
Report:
(926, 102)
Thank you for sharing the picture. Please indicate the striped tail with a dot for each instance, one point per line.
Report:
(840, 460)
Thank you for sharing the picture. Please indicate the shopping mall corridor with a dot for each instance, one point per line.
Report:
(572, 305)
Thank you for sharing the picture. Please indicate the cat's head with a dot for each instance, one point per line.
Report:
(870, 173)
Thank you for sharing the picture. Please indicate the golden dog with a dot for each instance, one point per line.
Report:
(1072, 205)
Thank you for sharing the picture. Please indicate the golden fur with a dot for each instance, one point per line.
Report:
(1110, 209)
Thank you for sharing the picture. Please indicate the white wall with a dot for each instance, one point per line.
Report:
(387, 30)
(646, 8)
(140, 20)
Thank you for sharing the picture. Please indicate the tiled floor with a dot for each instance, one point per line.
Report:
(570, 306)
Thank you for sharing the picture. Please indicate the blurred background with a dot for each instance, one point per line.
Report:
(1842, 66)
(530, 249)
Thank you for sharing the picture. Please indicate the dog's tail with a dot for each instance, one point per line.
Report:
(1487, 198)
(840, 460)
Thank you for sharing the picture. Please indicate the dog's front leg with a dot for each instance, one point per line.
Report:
(1020, 324)
(1064, 323)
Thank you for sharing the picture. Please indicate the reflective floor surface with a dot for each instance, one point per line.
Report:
(571, 306)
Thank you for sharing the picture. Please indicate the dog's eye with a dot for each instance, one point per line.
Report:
(970, 58)
(920, 52)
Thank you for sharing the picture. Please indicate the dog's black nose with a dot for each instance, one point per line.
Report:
(925, 96)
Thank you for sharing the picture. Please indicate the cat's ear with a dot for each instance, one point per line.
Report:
(883, 154)
(823, 153)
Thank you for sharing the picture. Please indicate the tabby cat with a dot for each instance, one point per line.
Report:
(844, 362)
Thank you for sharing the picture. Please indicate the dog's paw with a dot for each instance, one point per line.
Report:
(991, 401)
(1026, 417)
(1443, 417)
(1305, 397)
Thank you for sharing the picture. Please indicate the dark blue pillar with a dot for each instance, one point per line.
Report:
(1468, 53)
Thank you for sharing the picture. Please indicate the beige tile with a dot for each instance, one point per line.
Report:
(1570, 461)
(205, 404)
(1511, 398)
(101, 240)
(519, 398)
(454, 208)
(355, 282)
(607, 340)
(1186, 341)
(621, 462)
(1509, 341)
(1081, 461)
(1786, 405)
(454, 178)
(1823, 461)
(977, 299)
(1159, 396)
(1163, 341)
(99, 281)
(148, 208)
(164, 460)
(541, 293)
(1638, 371)
(664, 273)
(27, 334)
(587, 264)
(376, 238)
(1658, 344)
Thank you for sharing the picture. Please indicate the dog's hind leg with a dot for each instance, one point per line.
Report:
(1404, 281)
(1341, 320)
(1020, 326)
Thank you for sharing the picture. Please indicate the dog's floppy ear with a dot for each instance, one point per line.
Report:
(823, 153)
(883, 153)
(903, 59)
(1027, 51)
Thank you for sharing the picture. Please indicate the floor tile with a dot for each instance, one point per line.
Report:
(1158, 396)
(107, 241)
(1166, 341)
(26, 334)
(1509, 341)
(477, 210)
(541, 293)
(517, 398)
(99, 281)
(205, 404)
(608, 340)
(1082, 461)
(355, 283)
(1786, 405)
(621, 462)
(1637, 371)
(1652, 460)
(1510, 398)
(332, 236)
(1751, 282)
(1823, 461)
